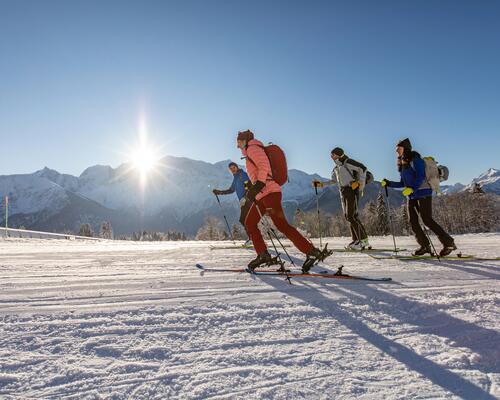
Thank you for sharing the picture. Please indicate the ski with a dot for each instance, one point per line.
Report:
(324, 274)
(429, 257)
(236, 247)
(373, 250)
(236, 270)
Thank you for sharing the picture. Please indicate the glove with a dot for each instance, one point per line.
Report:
(407, 191)
(384, 182)
(217, 191)
(254, 190)
(354, 185)
(317, 184)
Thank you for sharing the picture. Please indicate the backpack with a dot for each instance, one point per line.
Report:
(277, 160)
(435, 173)
(368, 177)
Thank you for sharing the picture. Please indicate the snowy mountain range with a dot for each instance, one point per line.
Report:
(179, 196)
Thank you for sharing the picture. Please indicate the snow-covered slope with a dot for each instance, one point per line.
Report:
(180, 187)
(489, 181)
(122, 320)
(32, 193)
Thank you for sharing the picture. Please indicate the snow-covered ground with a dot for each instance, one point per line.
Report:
(89, 320)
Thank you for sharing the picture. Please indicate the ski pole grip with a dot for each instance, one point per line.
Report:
(386, 191)
(217, 197)
(316, 189)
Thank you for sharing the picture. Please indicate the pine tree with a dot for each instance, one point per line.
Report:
(86, 230)
(383, 227)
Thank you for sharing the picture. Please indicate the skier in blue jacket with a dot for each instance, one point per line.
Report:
(411, 167)
(240, 183)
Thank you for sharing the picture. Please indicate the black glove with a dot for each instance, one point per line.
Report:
(217, 191)
(254, 190)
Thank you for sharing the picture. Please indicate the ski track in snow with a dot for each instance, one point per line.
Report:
(115, 320)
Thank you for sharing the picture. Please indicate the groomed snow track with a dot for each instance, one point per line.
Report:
(99, 320)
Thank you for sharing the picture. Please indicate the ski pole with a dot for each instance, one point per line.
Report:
(270, 229)
(278, 255)
(225, 219)
(319, 217)
(390, 217)
(420, 220)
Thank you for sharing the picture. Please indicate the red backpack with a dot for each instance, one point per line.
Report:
(277, 159)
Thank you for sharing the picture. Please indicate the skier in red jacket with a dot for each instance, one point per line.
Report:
(264, 197)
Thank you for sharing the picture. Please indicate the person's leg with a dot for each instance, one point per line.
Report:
(252, 219)
(415, 223)
(272, 205)
(360, 228)
(350, 210)
(344, 199)
(425, 207)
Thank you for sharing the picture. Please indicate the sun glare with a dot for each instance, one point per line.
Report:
(144, 159)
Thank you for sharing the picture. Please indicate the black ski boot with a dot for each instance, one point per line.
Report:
(447, 249)
(315, 256)
(422, 251)
(262, 260)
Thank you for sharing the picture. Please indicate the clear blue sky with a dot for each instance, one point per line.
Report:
(307, 75)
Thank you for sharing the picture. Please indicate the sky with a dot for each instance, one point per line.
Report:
(77, 77)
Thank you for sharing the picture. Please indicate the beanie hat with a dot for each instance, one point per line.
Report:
(405, 143)
(245, 135)
(338, 151)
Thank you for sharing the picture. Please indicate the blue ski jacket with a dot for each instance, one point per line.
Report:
(238, 185)
(413, 176)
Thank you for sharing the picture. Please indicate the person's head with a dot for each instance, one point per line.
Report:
(233, 167)
(336, 153)
(403, 147)
(243, 138)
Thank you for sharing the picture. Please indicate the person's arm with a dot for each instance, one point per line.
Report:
(358, 172)
(226, 191)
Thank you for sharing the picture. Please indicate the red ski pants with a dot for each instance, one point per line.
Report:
(271, 205)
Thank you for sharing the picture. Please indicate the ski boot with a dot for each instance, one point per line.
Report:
(353, 245)
(422, 251)
(315, 256)
(447, 249)
(365, 244)
(262, 260)
(349, 246)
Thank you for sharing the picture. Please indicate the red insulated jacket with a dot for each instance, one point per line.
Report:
(259, 168)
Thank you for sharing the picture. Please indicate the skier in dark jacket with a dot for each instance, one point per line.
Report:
(411, 167)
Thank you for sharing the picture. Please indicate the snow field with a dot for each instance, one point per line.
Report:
(116, 320)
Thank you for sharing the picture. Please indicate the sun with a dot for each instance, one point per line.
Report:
(144, 159)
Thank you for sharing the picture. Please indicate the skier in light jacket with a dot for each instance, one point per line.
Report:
(350, 175)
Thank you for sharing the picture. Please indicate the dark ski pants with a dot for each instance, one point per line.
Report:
(350, 200)
(424, 207)
(271, 205)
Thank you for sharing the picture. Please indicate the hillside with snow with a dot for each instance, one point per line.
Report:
(121, 320)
